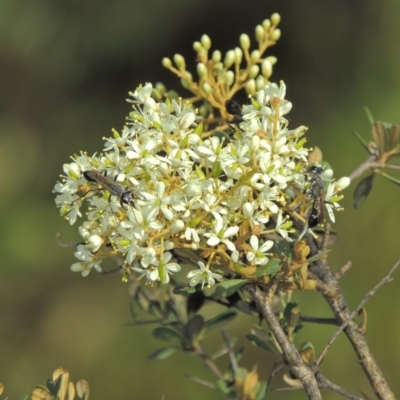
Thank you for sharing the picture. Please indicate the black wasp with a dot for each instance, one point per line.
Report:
(233, 108)
(316, 193)
(125, 195)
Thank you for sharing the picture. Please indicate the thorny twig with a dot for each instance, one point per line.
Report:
(367, 296)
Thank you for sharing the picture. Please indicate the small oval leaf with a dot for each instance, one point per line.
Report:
(220, 320)
(166, 334)
(227, 288)
(362, 190)
(162, 353)
(194, 327)
(270, 269)
(253, 339)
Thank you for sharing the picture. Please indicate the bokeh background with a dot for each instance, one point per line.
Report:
(65, 69)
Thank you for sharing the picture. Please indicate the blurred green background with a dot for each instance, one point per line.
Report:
(65, 70)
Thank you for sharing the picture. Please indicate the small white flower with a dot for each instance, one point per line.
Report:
(258, 255)
(221, 233)
(203, 275)
(164, 268)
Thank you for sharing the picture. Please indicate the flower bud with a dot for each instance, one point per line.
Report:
(251, 87)
(254, 70)
(238, 55)
(177, 226)
(248, 210)
(202, 70)
(266, 68)
(276, 34)
(179, 61)
(206, 42)
(266, 24)
(275, 19)
(229, 78)
(229, 58)
(207, 88)
(259, 33)
(216, 56)
(244, 41)
(166, 62)
(260, 82)
(255, 56)
(197, 46)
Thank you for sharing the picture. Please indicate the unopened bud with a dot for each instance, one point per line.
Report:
(276, 34)
(229, 78)
(238, 55)
(197, 46)
(229, 58)
(255, 56)
(216, 56)
(266, 68)
(244, 41)
(254, 70)
(166, 62)
(266, 24)
(259, 33)
(179, 61)
(275, 19)
(251, 87)
(206, 42)
(260, 82)
(207, 88)
(202, 70)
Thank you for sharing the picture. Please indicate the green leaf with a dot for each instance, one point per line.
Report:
(194, 327)
(220, 320)
(166, 334)
(227, 288)
(162, 353)
(253, 339)
(262, 388)
(184, 289)
(271, 268)
(287, 313)
(25, 397)
(318, 256)
(223, 386)
(223, 349)
(362, 190)
(369, 115)
(390, 178)
(362, 141)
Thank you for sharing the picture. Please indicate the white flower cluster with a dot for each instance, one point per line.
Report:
(160, 186)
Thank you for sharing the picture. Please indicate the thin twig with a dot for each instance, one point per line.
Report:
(201, 381)
(278, 365)
(343, 270)
(208, 362)
(232, 357)
(324, 383)
(365, 166)
(367, 296)
(329, 287)
(383, 165)
(318, 320)
(291, 355)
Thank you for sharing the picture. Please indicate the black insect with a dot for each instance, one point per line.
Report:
(125, 196)
(316, 193)
(233, 108)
